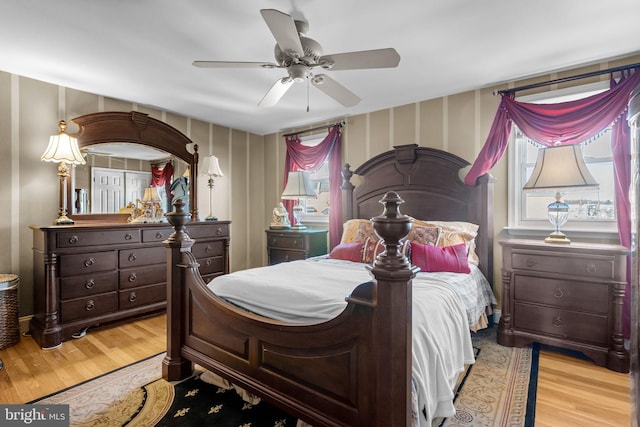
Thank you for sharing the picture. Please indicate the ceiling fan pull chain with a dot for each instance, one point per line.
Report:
(307, 94)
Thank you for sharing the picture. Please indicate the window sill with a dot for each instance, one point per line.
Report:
(575, 234)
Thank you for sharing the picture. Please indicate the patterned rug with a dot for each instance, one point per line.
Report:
(498, 390)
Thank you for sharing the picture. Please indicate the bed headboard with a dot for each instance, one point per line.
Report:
(427, 179)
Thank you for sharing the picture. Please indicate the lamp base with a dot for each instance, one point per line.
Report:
(64, 220)
(557, 238)
(211, 218)
(298, 227)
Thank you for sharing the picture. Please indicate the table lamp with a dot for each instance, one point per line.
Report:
(559, 168)
(298, 188)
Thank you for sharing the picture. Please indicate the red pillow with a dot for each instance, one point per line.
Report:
(433, 259)
(347, 251)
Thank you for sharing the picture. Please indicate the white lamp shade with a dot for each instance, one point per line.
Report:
(151, 195)
(298, 186)
(560, 168)
(213, 166)
(63, 148)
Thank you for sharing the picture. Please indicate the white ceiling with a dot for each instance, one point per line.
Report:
(141, 50)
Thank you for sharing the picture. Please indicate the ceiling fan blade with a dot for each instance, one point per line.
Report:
(335, 90)
(377, 58)
(229, 64)
(276, 92)
(284, 30)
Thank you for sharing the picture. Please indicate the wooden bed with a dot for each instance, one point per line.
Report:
(354, 370)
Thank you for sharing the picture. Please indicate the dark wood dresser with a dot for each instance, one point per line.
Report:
(567, 296)
(90, 275)
(290, 245)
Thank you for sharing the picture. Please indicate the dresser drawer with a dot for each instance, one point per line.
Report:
(83, 286)
(84, 308)
(580, 296)
(137, 297)
(72, 265)
(133, 277)
(156, 235)
(72, 239)
(285, 241)
(565, 324)
(142, 256)
(208, 249)
(207, 231)
(211, 265)
(597, 267)
(277, 256)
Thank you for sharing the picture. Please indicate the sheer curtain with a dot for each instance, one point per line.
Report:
(568, 123)
(309, 158)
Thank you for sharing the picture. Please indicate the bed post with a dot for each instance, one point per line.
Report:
(174, 366)
(393, 349)
(347, 193)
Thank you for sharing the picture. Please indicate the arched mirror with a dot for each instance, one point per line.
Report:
(129, 146)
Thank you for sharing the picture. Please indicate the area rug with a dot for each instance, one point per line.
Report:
(498, 390)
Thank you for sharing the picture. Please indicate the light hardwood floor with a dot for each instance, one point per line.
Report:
(571, 392)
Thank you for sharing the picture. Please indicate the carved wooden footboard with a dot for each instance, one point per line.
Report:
(354, 370)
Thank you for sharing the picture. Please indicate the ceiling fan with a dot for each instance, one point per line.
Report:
(299, 55)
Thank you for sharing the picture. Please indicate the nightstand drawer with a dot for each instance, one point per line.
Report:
(565, 324)
(277, 256)
(286, 241)
(211, 265)
(600, 267)
(588, 297)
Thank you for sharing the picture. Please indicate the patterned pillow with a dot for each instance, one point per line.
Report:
(374, 247)
(357, 230)
(427, 235)
(455, 232)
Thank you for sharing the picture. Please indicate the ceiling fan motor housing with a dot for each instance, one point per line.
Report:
(312, 53)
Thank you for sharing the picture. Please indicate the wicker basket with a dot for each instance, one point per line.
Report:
(9, 322)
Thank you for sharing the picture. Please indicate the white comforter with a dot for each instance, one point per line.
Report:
(313, 291)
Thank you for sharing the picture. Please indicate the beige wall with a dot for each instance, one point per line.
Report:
(252, 164)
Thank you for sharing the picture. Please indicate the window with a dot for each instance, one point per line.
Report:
(589, 210)
(317, 210)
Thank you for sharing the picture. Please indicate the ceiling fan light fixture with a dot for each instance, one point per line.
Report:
(298, 72)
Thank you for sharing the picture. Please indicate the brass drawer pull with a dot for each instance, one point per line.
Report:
(132, 257)
(531, 262)
(128, 236)
(159, 235)
(90, 305)
(89, 262)
(73, 239)
(557, 321)
(219, 231)
(90, 284)
(591, 268)
(132, 297)
(132, 277)
(209, 249)
(558, 293)
(209, 261)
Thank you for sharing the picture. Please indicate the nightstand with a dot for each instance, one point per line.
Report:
(290, 245)
(567, 296)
